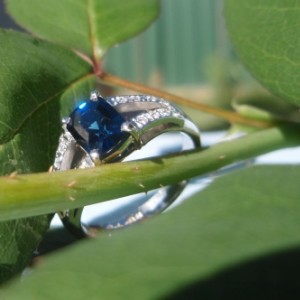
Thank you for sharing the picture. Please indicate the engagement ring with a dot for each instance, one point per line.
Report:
(109, 129)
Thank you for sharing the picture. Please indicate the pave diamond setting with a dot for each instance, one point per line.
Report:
(144, 119)
(64, 141)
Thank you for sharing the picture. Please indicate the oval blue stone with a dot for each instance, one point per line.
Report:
(96, 125)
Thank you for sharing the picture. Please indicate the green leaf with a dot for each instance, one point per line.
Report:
(265, 35)
(31, 81)
(263, 106)
(18, 240)
(32, 78)
(90, 26)
(239, 217)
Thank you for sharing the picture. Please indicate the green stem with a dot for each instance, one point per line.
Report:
(34, 194)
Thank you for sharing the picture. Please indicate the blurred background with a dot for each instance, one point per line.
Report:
(186, 51)
(175, 49)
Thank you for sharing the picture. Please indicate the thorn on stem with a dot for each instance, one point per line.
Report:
(13, 175)
(135, 168)
(71, 198)
(71, 184)
(141, 185)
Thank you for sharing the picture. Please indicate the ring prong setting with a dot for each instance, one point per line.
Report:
(65, 120)
(95, 95)
(133, 130)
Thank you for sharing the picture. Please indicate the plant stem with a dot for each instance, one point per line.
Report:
(231, 117)
(34, 194)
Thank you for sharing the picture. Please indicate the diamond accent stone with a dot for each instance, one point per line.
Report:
(64, 141)
(135, 98)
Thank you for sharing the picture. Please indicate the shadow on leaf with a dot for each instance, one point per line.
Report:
(270, 277)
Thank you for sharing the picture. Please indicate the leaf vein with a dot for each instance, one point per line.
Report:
(16, 130)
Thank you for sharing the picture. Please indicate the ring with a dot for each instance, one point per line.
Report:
(108, 129)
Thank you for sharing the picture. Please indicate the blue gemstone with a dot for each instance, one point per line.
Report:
(96, 125)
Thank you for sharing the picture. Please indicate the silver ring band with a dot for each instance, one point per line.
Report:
(140, 119)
